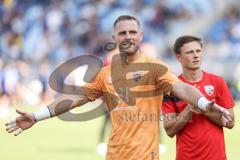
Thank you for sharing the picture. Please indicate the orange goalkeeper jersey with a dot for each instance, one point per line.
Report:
(133, 93)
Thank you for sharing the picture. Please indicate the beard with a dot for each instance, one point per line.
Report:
(128, 48)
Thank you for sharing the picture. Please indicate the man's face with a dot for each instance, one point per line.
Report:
(191, 55)
(128, 36)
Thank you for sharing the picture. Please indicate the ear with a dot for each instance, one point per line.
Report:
(178, 57)
(114, 37)
(141, 36)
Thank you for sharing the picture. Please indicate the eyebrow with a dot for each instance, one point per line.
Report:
(191, 51)
(131, 31)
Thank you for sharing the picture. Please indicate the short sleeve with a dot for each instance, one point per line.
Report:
(168, 105)
(94, 89)
(165, 78)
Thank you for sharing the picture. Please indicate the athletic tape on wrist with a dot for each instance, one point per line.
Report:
(42, 114)
(202, 103)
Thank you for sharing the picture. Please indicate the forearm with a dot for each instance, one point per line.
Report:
(66, 103)
(173, 125)
(59, 106)
(187, 93)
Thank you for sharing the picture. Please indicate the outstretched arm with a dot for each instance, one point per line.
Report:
(195, 98)
(59, 106)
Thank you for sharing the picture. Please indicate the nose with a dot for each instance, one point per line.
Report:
(127, 36)
(196, 54)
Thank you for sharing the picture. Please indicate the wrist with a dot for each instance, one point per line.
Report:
(202, 103)
(43, 113)
(34, 118)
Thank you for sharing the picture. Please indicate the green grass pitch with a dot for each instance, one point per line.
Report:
(55, 139)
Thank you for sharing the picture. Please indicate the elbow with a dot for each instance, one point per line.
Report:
(170, 134)
(230, 125)
(170, 129)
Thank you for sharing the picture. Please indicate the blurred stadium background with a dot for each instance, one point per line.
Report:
(36, 36)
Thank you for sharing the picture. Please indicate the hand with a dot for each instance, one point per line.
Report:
(23, 122)
(225, 114)
(195, 110)
(224, 121)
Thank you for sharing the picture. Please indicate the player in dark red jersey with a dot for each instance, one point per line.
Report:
(199, 134)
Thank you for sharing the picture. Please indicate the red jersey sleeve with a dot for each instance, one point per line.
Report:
(168, 105)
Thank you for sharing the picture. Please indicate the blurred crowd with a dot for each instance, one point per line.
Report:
(36, 36)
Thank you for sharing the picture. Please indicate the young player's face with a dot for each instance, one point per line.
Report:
(191, 55)
(128, 36)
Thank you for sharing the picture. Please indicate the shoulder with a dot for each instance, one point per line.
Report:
(105, 70)
(157, 61)
(101, 74)
(157, 65)
(214, 77)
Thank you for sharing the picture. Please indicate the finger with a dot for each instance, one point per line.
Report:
(195, 111)
(10, 126)
(11, 122)
(224, 121)
(19, 112)
(13, 129)
(220, 109)
(228, 117)
(224, 110)
(226, 114)
(198, 112)
(18, 132)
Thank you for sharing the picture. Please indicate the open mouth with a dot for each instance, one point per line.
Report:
(125, 45)
(195, 61)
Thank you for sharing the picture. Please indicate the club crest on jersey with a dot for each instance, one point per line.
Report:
(137, 76)
(209, 89)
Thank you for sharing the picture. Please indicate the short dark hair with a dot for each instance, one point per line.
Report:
(126, 17)
(183, 40)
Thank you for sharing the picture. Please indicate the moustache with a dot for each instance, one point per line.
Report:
(126, 44)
